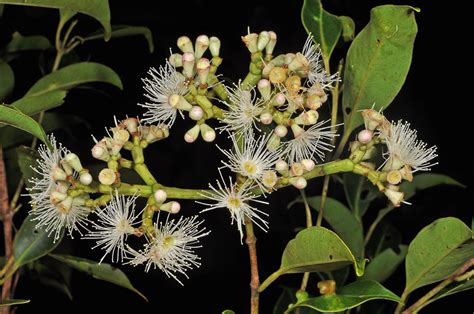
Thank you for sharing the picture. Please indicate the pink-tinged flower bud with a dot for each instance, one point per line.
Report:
(100, 151)
(56, 197)
(267, 69)
(185, 44)
(279, 100)
(131, 124)
(214, 46)
(313, 102)
(327, 287)
(262, 41)
(202, 43)
(271, 43)
(269, 178)
(107, 176)
(394, 177)
(308, 164)
(282, 167)
(299, 64)
(296, 169)
(176, 60)
(265, 88)
(179, 102)
(250, 40)
(171, 207)
(289, 57)
(188, 65)
(365, 136)
(297, 130)
(203, 66)
(192, 134)
(317, 89)
(58, 174)
(307, 118)
(372, 119)
(85, 178)
(73, 160)
(208, 134)
(120, 137)
(160, 196)
(266, 118)
(281, 130)
(395, 197)
(298, 182)
(196, 113)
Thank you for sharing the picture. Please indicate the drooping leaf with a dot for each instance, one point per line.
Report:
(378, 61)
(349, 297)
(348, 28)
(384, 264)
(7, 80)
(21, 121)
(124, 31)
(21, 43)
(98, 9)
(35, 104)
(437, 251)
(314, 249)
(11, 302)
(101, 271)
(325, 27)
(343, 221)
(73, 75)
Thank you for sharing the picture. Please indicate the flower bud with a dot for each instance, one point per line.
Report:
(131, 124)
(263, 39)
(313, 102)
(269, 178)
(266, 118)
(171, 207)
(188, 65)
(395, 197)
(365, 136)
(250, 40)
(394, 177)
(214, 46)
(327, 287)
(196, 113)
(265, 88)
(203, 66)
(85, 178)
(56, 197)
(277, 75)
(298, 182)
(282, 167)
(160, 196)
(279, 61)
(120, 138)
(372, 119)
(208, 134)
(293, 84)
(279, 100)
(58, 174)
(267, 69)
(192, 134)
(299, 64)
(307, 118)
(202, 43)
(107, 176)
(289, 57)
(273, 142)
(297, 130)
(296, 169)
(308, 164)
(176, 60)
(73, 160)
(353, 146)
(281, 130)
(179, 102)
(271, 43)
(185, 44)
(157, 133)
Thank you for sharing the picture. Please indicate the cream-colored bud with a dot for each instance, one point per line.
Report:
(208, 134)
(298, 182)
(395, 197)
(250, 40)
(407, 173)
(277, 75)
(269, 178)
(297, 130)
(160, 196)
(107, 176)
(196, 113)
(279, 61)
(309, 117)
(265, 88)
(262, 41)
(372, 119)
(293, 84)
(131, 124)
(202, 43)
(281, 130)
(279, 100)
(171, 207)
(58, 174)
(100, 151)
(266, 118)
(85, 178)
(365, 136)
(299, 64)
(203, 66)
(188, 65)
(120, 138)
(296, 169)
(327, 287)
(267, 69)
(185, 44)
(271, 43)
(308, 164)
(192, 134)
(282, 167)
(157, 133)
(273, 142)
(394, 177)
(214, 46)
(179, 102)
(313, 102)
(289, 57)
(73, 160)
(176, 60)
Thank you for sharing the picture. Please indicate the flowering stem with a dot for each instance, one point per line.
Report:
(251, 241)
(309, 224)
(255, 70)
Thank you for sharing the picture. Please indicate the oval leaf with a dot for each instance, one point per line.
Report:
(101, 271)
(314, 249)
(10, 302)
(21, 121)
(325, 27)
(73, 75)
(126, 30)
(349, 297)
(425, 181)
(7, 80)
(437, 251)
(98, 9)
(35, 104)
(21, 43)
(384, 264)
(348, 28)
(378, 61)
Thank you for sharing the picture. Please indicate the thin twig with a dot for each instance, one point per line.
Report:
(251, 241)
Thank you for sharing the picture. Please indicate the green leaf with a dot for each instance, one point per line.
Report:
(348, 28)
(35, 104)
(73, 75)
(287, 297)
(101, 271)
(98, 9)
(325, 27)
(354, 186)
(52, 273)
(124, 31)
(349, 297)
(343, 221)
(384, 264)
(21, 43)
(425, 181)
(21, 121)
(378, 61)
(228, 312)
(11, 302)
(454, 288)
(7, 80)
(314, 249)
(437, 251)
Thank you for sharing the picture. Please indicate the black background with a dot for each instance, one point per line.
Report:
(434, 98)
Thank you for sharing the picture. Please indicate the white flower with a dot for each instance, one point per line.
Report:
(236, 200)
(51, 206)
(243, 111)
(405, 149)
(307, 143)
(114, 225)
(253, 160)
(162, 84)
(316, 71)
(172, 247)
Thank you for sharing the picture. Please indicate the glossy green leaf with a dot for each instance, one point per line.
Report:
(73, 75)
(325, 27)
(98, 9)
(378, 61)
(11, 302)
(124, 31)
(349, 297)
(21, 121)
(343, 221)
(384, 264)
(35, 104)
(7, 80)
(454, 288)
(437, 251)
(314, 249)
(101, 271)
(21, 43)
(228, 312)
(348, 28)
